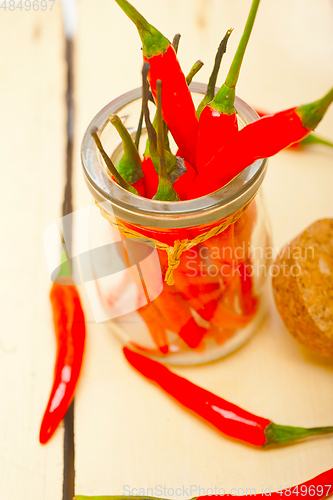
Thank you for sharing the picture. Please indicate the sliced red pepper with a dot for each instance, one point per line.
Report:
(178, 316)
(152, 318)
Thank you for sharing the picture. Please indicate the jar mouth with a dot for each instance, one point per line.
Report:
(144, 211)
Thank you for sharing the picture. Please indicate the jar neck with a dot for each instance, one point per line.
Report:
(136, 210)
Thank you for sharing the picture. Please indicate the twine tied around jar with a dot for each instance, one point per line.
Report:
(173, 252)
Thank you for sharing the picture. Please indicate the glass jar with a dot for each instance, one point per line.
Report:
(215, 298)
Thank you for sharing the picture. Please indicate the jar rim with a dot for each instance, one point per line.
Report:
(146, 212)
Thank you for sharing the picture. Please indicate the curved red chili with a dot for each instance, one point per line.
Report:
(178, 108)
(70, 332)
(260, 139)
(227, 417)
(307, 141)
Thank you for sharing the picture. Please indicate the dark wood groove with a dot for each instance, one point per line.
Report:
(68, 490)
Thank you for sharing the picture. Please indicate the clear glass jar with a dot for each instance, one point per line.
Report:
(217, 300)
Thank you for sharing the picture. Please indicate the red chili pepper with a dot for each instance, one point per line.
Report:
(70, 331)
(307, 141)
(218, 122)
(178, 109)
(260, 139)
(226, 417)
(316, 488)
(157, 149)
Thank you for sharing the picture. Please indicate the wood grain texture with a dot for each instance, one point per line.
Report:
(32, 136)
(127, 431)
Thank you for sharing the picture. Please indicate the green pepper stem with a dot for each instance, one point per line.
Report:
(175, 42)
(129, 166)
(139, 130)
(162, 173)
(165, 190)
(315, 139)
(311, 114)
(153, 41)
(65, 266)
(276, 434)
(213, 77)
(124, 184)
(150, 129)
(225, 98)
(193, 71)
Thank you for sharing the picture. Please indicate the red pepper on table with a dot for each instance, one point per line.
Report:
(178, 109)
(218, 121)
(225, 416)
(318, 487)
(70, 331)
(260, 139)
(307, 141)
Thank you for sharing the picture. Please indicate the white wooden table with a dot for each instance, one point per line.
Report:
(127, 432)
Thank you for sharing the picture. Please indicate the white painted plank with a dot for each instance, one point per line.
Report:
(32, 132)
(127, 431)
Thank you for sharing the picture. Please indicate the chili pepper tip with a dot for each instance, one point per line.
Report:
(175, 42)
(194, 70)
